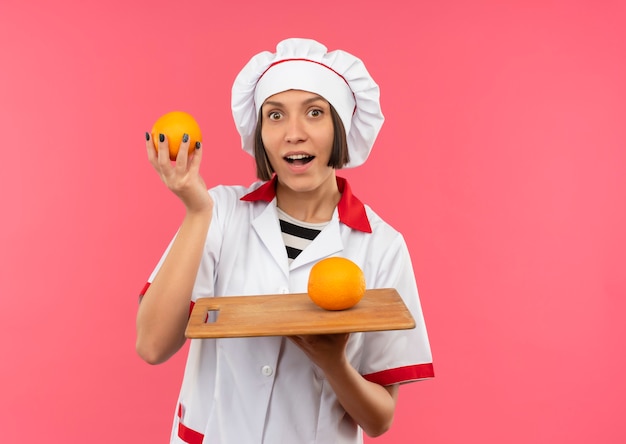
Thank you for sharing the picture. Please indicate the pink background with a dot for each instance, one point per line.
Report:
(502, 160)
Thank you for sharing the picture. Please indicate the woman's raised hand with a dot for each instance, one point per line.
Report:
(182, 177)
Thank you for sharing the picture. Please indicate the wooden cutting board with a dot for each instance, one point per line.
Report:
(295, 314)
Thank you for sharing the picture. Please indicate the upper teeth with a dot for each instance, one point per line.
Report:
(298, 156)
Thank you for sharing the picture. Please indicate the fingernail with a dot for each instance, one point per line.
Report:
(185, 138)
(198, 145)
(161, 138)
(147, 136)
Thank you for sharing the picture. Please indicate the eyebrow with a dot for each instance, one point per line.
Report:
(306, 102)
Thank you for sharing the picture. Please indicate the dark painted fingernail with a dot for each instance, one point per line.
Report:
(185, 138)
(161, 138)
(198, 145)
(147, 136)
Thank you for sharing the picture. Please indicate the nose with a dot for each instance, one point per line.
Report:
(295, 131)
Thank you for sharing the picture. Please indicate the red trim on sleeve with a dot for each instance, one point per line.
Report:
(145, 288)
(188, 435)
(143, 291)
(402, 374)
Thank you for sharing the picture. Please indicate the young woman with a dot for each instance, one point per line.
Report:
(303, 113)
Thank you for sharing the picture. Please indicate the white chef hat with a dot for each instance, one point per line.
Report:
(304, 64)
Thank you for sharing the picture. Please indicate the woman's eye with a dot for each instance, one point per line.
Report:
(315, 112)
(274, 115)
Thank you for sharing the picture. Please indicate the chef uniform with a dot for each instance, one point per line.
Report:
(266, 390)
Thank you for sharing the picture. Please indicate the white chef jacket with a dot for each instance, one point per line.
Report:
(266, 390)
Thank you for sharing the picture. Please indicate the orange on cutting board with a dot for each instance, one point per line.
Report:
(173, 125)
(336, 283)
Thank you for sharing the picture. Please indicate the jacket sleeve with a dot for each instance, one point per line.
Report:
(398, 356)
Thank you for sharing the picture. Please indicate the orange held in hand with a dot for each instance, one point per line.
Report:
(173, 125)
(336, 283)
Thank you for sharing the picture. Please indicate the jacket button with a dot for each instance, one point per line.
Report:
(267, 370)
(283, 290)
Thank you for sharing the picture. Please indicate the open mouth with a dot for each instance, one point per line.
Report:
(299, 159)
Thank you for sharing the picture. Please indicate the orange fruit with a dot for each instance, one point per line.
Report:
(174, 124)
(336, 283)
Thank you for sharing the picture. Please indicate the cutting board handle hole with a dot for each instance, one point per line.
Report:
(211, 316)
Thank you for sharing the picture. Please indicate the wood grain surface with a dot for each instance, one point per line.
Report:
(295, 314)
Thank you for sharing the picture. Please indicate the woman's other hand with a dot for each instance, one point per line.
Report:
(325, 351)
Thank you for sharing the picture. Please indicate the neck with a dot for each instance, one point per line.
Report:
(312, 206)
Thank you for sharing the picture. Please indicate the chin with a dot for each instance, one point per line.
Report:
(301, 184)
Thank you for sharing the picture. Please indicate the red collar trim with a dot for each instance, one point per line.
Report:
(351, 209)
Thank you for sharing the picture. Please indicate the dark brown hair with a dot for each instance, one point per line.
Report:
(339, 155)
